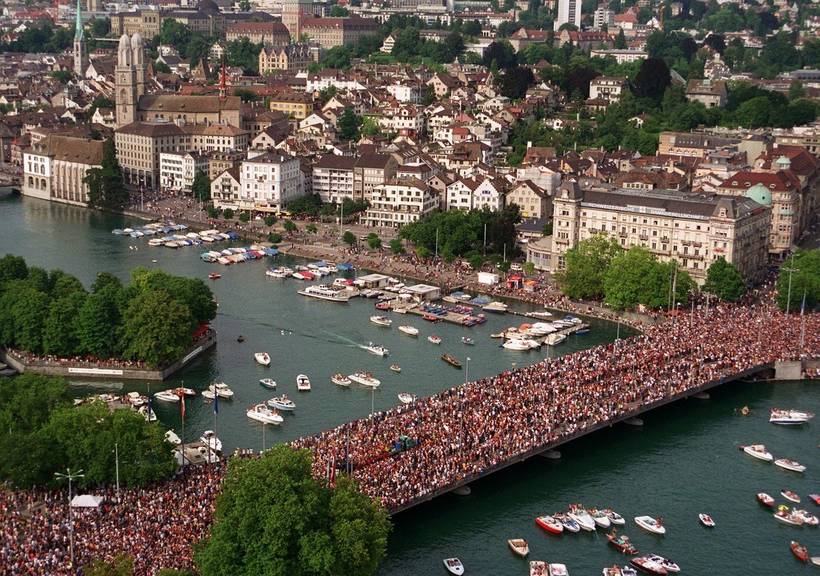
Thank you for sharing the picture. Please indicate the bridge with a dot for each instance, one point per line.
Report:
(466, 433)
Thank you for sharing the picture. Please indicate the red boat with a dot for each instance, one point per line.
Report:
(800, 552)
(384, 305)
(431, 317)
(765, 499)
(621, 543)
(214, 276)
(815, 498)
(549, 524)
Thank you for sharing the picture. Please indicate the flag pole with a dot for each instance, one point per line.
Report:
(182, 414)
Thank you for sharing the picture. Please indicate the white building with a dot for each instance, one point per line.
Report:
(569, 12)
(178, 169)
(269, 181)
(621, 56)
(399, 202)
(607, 88)
(405, 91)
(333, 178)
(603, 17)
(226, 189)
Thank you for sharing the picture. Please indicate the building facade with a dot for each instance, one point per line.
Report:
(370, 171)
(569, 12)
(332, 32)
(55, 168)
(270, 181)
(177, 170)
(398, 202)
(266, 33)
(333, 178)
(290, 57)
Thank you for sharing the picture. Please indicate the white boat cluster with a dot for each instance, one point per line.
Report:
(238, 254)
(151, 229)
(533, 336)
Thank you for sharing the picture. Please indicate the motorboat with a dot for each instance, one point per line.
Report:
(365, 379)
(220, 389)
(558, 570)
(302, 383)
(454, 566)
(211, 441)
(644, 564)
(395, 368)
(765, 499)
(409, 330)
(568, 523)
(214, 276)
(148, 413)
(451, 360)
(815, 498)
(172, 438)
(264, 414)
(621, 542)
(789, 417)
(268, 383)
(432, 338)
(665, 562)
(340, 379)
(167, 396)
(495, 307)
(377, 350)
(136, 399)
(240, 338)
(787, 516)
(381, 320)
(322, 292)
(787, 464)
(706, 520)
(262, 358)
(616, 570)
(614, 517)
(650, 524)
(549, 524)
(800, 552)
(758, 451)
(406, 398)
(182, 391)
(790, 495)
(554, 339)
(467, 340)
(600, 517)
(807, 518)
(516, 344)
(519, 546)
(538, 568)
(582, 517)
(282, 403)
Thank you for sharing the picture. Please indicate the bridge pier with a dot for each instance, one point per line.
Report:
(788, 370)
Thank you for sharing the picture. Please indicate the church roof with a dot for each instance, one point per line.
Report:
(173, 103)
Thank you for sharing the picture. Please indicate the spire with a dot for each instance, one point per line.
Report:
(78, 27)
(222, 84)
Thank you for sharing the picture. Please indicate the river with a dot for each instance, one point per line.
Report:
(684, 461)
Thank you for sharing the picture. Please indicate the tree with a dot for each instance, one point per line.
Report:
(529, 268)
(106, 188)
(156, 328)
(96, 325)
(373, 241)
(201, 187)
(625, 277)
(274, 238)
(244, 5)
(60, 337)
(396, 246)
(804, 278)
(244, 216)
(724, 281)
(348, 124)
(30, 315)
(311, 228)
(349, 238)
(62, 76)
(586, 267)
(338, 12)
(302, 528)
(289, 226)
(12, 268)
(500, 52)
(245, 54)
(652, 79)
(227, 214)
(270, 220)
(515, 82)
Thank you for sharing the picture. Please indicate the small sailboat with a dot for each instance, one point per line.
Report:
(262, 358)
(406, 398)
(706, 520)
(340, 379)
(519, 546)
(268, 383)
(302, 383)
(454, 566)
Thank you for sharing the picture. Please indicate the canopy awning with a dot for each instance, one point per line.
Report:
(86, 501)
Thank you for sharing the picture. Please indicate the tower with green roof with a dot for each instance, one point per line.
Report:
(80, 55)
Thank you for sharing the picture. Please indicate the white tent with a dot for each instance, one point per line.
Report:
(86, 501)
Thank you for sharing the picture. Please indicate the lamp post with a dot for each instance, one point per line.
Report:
(791, 270)
(467, 370)
(117, 468)
(70, 477)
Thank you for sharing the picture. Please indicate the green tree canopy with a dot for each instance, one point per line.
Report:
(349, 238)
(106, 188)
(724, 281)
(302, 528)
(805, 279)
(586, 266)
(349, 123)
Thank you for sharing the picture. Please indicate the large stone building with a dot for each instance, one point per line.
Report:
(54, 168)
(290, 57)
(294, 12)
(266, 33)
(270, 181)
(332, 32)
(370, 171)
(691, 229)
(398, 202)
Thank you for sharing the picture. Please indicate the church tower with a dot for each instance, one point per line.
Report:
(80, 55)
(130, 78)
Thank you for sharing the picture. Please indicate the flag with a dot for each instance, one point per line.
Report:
(182, 405)
(216, 402)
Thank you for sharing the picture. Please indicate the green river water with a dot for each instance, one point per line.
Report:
(682, 462)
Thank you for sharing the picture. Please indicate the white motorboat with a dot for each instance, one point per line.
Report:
(377, 350)
(211, 441)
(619, 571)
(792, 465)
(495, 307)
(262, 358)
(433, 339)
(568, 523)
(454, 566)
(787, 516)
(302, 383)
(365, 379)
(172, 438)
(558, 570)
(322, 292)
(406, 398)
(807, 518)
(650, 524)
(136, 399)
(182, 391)
(538, 568)
(665, 562)
(554, 339)
(516, 344)
(790, 495)
(381, 320)
(600, 518)
(467, 340)
(409, 330)
(549, 524)
(220, 389)
(167, 396)
(268, 383)
(648, 566)
(264, 414)
(282, 403)
(706, 520)
(789, 417)
(540, 314)
(758, 451)
(614, 517)
(519, 546)
(148, 413)
(340, 379)
(582, 517)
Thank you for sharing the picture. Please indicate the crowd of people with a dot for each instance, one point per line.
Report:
(30, 358)
(454, 436)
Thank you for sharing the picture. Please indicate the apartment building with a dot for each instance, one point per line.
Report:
(294, 104)
(270, 181)
(371, 170)
(398, 202)
(333, 178)
(289, 57)
(177, 170)
(139, 145)
(607, 88)
(226, 189)
(332, 32)
(691, 229)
